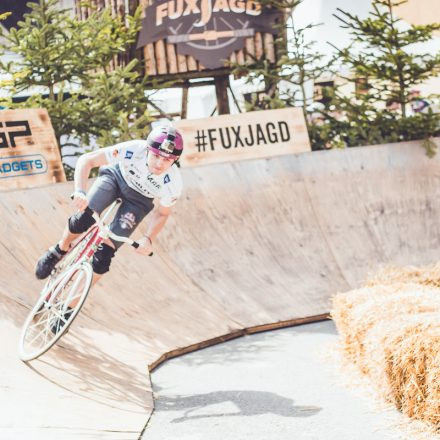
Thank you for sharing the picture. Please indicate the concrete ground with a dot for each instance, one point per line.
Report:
(280, 385)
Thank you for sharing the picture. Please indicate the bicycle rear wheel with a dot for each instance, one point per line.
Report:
(71, 287)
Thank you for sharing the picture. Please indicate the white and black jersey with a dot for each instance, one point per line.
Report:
(131, 156)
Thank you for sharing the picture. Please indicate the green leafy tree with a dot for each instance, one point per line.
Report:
(62, 64)
(382, 55)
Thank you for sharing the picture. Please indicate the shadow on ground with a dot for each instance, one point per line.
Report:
(248, 403)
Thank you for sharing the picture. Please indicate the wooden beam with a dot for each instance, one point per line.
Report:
(259, 51)
(221, 91)
(181, 63)
(192, 63)
(250, 50)
(171, 58)
(184, 110)
(269, 49)
(161, 57)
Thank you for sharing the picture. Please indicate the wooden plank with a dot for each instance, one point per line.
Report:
(181, 63)
(108, 4)
(161, 61)
(132, 6)
(269, 48)
(171, 58)
(191, 63)
(120, 8)
(184, 109)
(113, 8)
(237, 334)
(29, 154)
(148, 50)
(78, 10)
(150, 60)
(100, 5)
(84, 12)
(260, 134)
(221, 91)
(259, 50)
(240, 56)
(250, 50)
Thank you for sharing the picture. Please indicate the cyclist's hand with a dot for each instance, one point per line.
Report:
(79, 200)
(145, 246)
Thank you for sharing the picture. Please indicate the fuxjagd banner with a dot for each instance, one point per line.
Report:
(249, 135)
(29, 153)
(208, 30)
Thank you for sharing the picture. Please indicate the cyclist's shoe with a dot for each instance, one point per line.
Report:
(47, 262)
(59, 323)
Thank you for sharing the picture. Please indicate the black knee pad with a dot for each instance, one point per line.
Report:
(81, 221)
(102, 259)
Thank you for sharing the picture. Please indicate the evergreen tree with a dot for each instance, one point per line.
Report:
(381, 55)
(298, 65)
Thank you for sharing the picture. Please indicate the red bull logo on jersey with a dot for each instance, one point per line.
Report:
(127, 220)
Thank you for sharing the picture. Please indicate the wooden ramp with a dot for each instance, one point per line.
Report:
(252, 243)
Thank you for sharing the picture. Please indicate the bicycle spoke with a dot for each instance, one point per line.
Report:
(74, 290)
(41, 321)
(37, 336)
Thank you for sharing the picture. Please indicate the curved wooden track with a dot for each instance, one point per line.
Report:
(252, 243)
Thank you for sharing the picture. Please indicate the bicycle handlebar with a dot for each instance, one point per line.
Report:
(112, 235)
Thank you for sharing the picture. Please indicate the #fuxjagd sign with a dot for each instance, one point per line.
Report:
(29, 153)
(249, 135)
(208, 30)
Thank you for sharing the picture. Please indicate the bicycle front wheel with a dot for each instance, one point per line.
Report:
(47, 321)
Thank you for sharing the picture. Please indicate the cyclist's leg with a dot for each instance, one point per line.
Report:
(102, 193)
(129, 214)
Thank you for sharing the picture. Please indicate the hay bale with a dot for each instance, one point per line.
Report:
(402, 359)
(391, 332)
(356, 312)
(428, 276)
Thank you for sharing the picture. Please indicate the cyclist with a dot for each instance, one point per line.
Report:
(137, 172)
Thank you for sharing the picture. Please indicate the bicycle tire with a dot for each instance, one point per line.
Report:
(42, 316)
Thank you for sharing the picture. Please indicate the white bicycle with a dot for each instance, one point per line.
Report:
(65, 291)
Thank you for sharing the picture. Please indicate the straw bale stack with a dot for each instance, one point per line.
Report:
(429, 276)
(390, 330)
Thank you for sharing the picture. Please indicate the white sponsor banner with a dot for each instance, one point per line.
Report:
(251, 135)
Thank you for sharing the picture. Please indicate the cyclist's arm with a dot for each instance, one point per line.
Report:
(158, 218)
(86, 163)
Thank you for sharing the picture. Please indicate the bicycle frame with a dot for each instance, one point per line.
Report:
(102, 233)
